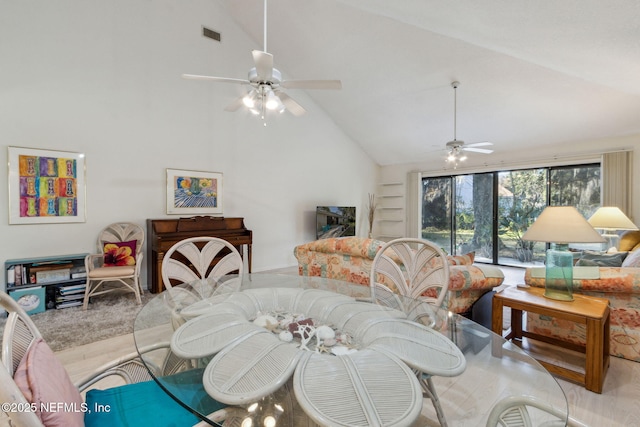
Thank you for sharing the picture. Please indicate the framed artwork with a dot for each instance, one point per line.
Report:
(194, 192)
(46, 186)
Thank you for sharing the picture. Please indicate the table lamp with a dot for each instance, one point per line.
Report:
(561, 225)
(610, 219)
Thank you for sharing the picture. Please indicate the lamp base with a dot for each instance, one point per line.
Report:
(559, 274)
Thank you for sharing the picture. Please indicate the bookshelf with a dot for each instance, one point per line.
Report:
(390, 215)
(50, 282)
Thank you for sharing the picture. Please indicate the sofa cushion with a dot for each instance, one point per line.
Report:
(466, 259)
(602, 260)
(632, 260)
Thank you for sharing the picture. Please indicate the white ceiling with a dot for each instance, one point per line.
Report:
(531, 72)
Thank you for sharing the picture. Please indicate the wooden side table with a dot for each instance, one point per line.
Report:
(590, 311)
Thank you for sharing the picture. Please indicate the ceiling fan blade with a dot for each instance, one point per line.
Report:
(312, 84)
(479, 144)
(264, 65)
(478, 150)
(235, 105)
(291, 105)
(215, 79)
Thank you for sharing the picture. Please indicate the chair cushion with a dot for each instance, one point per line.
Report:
(146, 404)
(602, 260)
(106, 272)
(44, 381)
(120, 253)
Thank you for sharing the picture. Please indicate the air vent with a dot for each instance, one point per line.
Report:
(211, 34)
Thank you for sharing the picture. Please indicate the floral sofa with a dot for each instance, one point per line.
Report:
(620, 285)
(350, 258)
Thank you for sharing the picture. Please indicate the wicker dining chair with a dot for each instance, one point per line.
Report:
(417, 269)
(32, 377)
(514, 411)
(193, 258)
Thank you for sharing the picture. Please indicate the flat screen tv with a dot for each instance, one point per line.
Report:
(335, 221)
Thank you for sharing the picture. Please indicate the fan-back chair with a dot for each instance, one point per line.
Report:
(513, 411)
(32, 377)
(191, 259)
(118, 262)
(417, 269)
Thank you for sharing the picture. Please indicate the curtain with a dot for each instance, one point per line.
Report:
(617, 181)
(414, 207)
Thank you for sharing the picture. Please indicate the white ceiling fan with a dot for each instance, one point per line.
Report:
(266, 84)
(456, 148)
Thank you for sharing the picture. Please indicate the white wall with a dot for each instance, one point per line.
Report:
(103, 78)
(540, 155)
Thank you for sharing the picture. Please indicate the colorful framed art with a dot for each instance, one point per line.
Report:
(194, 192)
(46, 186)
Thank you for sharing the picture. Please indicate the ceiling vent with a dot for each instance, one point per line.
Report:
(211, 34)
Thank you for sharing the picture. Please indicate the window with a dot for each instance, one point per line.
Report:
(489, 212)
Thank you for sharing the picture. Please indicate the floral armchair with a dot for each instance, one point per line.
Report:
(350, 258)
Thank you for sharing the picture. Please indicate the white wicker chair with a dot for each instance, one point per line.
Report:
(20, 333)
(513, 411)
(413, 267)
(191, 259)
(100, 279)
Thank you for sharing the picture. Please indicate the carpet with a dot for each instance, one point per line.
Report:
(107, 316)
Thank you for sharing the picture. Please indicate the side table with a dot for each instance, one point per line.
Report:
(590, 311)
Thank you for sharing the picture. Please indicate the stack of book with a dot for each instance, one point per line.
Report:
(70, 295)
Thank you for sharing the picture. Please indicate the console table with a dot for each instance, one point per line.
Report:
(164, 233)
(590, 311)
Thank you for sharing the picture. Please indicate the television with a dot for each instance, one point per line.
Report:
(335, 221)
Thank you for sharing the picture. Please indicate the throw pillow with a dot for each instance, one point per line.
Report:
(602, 260)
(466, 259)
(44, 382)
(119, 254)
(632, 260)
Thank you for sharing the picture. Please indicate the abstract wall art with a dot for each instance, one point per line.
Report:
(46, 186)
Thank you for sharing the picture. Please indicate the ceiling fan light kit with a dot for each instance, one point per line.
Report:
(266, 83)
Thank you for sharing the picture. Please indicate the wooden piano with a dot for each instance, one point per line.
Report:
(164, 233)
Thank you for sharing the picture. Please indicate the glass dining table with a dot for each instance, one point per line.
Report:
(282, 350)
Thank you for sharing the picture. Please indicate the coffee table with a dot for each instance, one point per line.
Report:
(466, 397)
(590, 311)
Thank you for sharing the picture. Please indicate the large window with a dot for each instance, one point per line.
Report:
(489, 212)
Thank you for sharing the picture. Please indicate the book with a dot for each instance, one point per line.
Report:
(68, 304)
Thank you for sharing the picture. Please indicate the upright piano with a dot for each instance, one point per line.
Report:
(164, 233)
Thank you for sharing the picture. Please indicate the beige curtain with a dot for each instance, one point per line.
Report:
(617, 180)
(414, 207)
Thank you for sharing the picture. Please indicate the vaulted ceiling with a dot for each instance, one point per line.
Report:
(532, 73)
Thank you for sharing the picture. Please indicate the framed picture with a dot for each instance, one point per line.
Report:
(46, 186)
(194, 192)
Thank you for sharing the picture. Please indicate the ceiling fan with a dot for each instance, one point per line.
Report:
(456, 148)
(266, 84)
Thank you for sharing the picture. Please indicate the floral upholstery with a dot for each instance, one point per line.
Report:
(621, 286)
(350, 258)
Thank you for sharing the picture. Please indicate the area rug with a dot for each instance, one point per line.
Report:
(108, 316)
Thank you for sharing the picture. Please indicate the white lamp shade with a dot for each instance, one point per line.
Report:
(612, 218)
(562, 224)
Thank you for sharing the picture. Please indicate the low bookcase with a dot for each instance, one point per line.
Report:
(46, 282)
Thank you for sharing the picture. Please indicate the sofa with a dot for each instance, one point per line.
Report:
(619, 284)
(350, 259)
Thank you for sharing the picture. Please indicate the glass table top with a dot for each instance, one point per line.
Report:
(301, 351)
